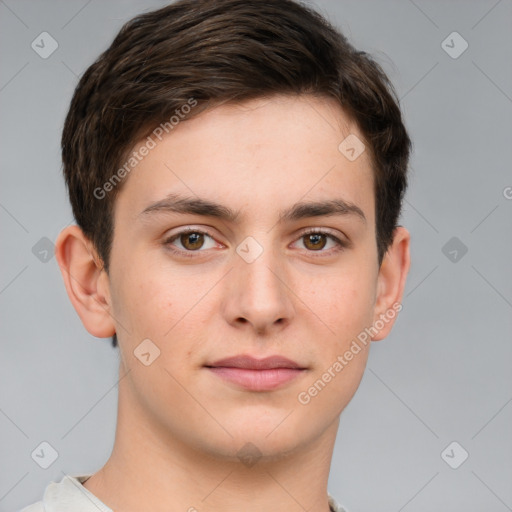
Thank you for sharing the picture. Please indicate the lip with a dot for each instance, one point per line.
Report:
(251, 363)
(256, 374)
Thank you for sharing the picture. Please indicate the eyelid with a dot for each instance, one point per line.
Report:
(340, 241)
(326, 231)
(189, 229)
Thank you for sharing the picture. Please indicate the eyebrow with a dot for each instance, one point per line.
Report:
(174, 203)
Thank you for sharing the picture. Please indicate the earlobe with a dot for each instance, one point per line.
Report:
(86, 281)
(391, 282)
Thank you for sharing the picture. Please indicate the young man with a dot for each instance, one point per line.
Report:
(236, 170)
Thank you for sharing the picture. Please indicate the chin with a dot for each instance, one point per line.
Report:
(273, 436)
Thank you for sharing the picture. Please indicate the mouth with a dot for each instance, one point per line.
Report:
(257, 374)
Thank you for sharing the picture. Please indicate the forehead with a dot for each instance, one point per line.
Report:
(257, 156)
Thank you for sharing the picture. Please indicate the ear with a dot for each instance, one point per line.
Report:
(391, 283)
(86, 281)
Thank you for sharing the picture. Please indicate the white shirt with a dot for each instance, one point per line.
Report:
(69, 495)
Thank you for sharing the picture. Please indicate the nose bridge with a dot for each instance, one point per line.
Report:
(259, 293)
(257, 265)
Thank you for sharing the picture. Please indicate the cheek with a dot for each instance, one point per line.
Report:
(347, 309)
(153, 305)
(163, 306)
(343, 300)
(142, 301)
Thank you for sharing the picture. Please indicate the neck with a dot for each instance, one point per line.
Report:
(151, 468)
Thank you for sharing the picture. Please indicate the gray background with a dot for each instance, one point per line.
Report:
(443, 374)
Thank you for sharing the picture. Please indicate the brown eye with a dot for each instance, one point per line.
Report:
(193, 240)
(318, 243)
(315, 241)
(190, 241)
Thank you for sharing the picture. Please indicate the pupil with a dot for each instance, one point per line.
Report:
(315, 239)
(192, 239)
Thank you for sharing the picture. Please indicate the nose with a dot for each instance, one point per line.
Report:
(258, 292)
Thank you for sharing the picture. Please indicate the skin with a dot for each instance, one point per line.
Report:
(180, 426)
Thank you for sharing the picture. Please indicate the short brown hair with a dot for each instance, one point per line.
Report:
(218, 51)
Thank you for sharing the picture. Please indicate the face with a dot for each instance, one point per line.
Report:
(258, 275)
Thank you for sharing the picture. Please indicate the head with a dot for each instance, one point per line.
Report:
(245, 104)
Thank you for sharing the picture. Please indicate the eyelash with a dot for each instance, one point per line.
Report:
(341, 245)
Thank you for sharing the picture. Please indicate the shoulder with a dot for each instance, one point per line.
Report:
(68, 494)
(334, 506)
(35, 507)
